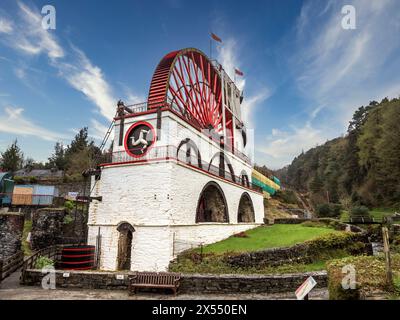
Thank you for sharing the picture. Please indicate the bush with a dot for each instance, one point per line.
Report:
(286, 196)
(314, 224)
(42, 262)
(327, 210)
(68, 219)
(360, 211)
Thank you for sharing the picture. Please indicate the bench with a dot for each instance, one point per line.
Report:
(168, 280)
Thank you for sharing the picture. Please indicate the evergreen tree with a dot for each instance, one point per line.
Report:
(12, 159)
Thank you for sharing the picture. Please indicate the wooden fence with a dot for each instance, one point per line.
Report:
(10, 264)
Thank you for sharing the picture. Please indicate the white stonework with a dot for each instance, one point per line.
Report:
(159, 200)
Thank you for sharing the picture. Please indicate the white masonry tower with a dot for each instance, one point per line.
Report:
(178, 176)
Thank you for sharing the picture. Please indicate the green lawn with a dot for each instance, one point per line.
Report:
(379, 213)
(278, 235)
(376, 213)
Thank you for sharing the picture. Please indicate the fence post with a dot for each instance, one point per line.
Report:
(1, 270)
(388, 262)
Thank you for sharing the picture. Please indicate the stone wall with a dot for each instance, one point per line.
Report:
(47, 226)
(190, 283)
(11, 228)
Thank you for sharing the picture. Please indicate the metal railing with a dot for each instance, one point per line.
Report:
(169, 152)
(10, 264)
(170, 105)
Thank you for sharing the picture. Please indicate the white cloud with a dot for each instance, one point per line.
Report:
(344, 69)
(5, 26)
(32, 39)
(13, 121)
(90, 80)
(281, 147)
(336, 71)
(72, 65)
(98, 131)
(229, 60)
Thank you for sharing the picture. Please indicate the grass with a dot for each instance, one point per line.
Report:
(25, 245)
(376, 213)
(268, 237)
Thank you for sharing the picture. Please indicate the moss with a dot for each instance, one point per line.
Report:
(370, 276)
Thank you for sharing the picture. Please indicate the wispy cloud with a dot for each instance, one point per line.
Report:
(71, 63)
(13, 121)
(281, 146)
(5, 26)
(337, 71)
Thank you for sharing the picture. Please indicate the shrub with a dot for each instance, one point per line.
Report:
(327, 210)
(42, 262)
(68, 219)
(286, 196)
(359, 211)
(69, 205)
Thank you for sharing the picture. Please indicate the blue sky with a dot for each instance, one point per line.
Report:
(304, 75)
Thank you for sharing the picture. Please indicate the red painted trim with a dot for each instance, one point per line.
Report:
(187, 164)
(81, 268)
(128, 133)
(77, 262)
(78, 249)
(77, 255)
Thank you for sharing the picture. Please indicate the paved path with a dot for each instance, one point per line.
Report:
(11, 290)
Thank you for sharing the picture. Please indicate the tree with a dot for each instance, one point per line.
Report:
(58, 158)
(12, 159)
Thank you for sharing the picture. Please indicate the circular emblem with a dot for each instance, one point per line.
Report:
(139, 139)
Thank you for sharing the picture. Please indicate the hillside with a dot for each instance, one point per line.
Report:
(361, 168)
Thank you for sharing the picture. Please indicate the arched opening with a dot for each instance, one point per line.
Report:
(124, 245)
(220, 170)
(190, 154)
(246, 209)
(244, 179)
(212, 206)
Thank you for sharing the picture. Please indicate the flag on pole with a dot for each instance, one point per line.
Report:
(238, 72)
(215, 37)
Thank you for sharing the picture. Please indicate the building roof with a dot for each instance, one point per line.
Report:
(39, 173)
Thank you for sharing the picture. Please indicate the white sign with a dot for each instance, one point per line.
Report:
(66, 274)
(305, 288)
(119, 277)
(72, 195)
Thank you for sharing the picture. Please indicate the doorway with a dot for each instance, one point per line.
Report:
(124, 246)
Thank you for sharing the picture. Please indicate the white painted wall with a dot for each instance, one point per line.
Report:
(159, 199)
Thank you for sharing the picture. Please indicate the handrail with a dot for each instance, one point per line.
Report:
(10, 264)
(170, 152)
(50, 252)
(145, 106)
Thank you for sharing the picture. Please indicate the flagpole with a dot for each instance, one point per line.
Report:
(210, 49)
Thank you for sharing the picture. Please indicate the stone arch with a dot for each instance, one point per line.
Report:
(246, 209)
(223, 161)
(212, 206)
(126, 231)
(244, 179)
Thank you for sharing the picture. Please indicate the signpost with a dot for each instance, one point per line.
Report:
(303, 291)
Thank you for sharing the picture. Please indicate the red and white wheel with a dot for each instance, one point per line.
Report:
(190, 84)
